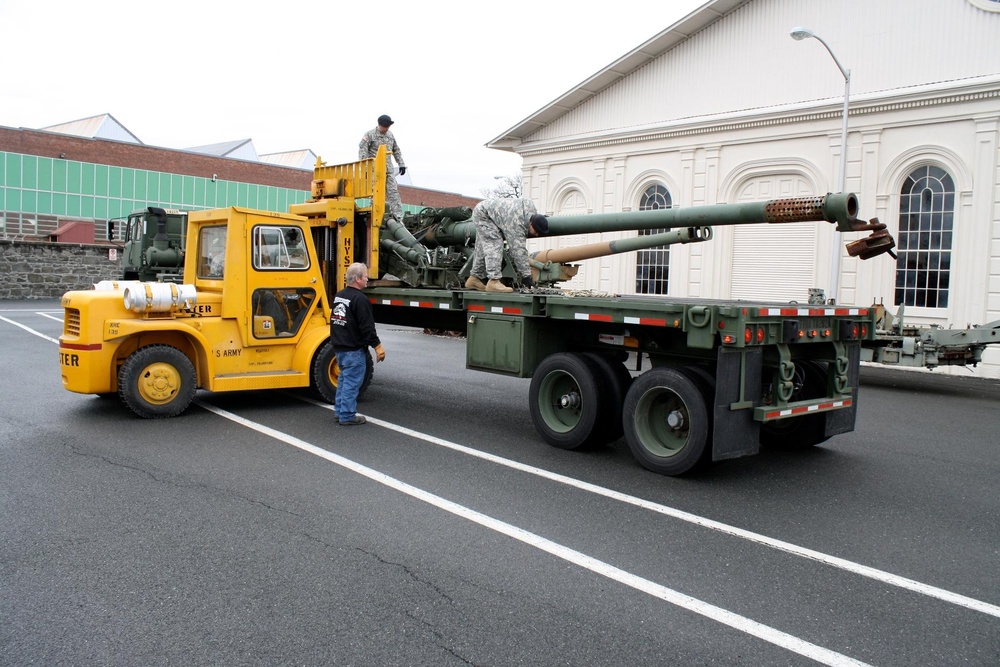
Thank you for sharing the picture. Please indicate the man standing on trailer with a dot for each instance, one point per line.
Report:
(497, 220)
(352, 332)
(381, 136)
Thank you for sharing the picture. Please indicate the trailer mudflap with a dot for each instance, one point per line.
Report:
(738, 379)
(842, 421)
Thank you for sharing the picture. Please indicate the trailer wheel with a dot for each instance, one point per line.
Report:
(805, 430)
(705, 381)
(565, 398)
(666, 421)
(326, 373)
(157, 381)
(617, 379)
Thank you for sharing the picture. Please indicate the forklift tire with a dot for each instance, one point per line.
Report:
(157, 381)
(326, 372)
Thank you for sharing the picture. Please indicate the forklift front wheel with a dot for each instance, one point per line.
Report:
(326, 374)
(157, 381)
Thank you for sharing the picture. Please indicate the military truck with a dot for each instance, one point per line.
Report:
(708, 379)
(154, 244)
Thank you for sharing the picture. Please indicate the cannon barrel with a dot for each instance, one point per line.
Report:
(840, 208)
(605, 248)
(551, 265)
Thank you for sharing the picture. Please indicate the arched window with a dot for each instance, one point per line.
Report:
(926, 217)
(652, 266)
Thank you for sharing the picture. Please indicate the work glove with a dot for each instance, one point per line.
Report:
(527, 281)
(402, 170)
(379, 352)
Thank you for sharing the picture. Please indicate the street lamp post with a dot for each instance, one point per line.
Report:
(799, 34)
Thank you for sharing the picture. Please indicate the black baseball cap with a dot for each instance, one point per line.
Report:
(540, 223)
(384, 121)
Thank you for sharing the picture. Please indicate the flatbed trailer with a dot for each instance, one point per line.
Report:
(723, 377)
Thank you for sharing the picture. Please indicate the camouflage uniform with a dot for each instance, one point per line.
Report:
(496, 220)
(368, 148)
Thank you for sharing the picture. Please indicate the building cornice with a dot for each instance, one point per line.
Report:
(871, 104)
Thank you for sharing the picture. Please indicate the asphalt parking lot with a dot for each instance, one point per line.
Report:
(252, 531)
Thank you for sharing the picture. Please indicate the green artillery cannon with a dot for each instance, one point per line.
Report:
(434, 247)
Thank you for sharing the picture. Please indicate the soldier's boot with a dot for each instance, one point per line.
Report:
(495, 285)
(474, 282)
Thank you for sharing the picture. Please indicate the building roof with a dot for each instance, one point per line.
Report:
(697, 20)
(300, 159)
(735, 61)
(241, 149)
(103, 126)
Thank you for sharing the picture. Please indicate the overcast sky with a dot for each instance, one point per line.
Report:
(293, 74)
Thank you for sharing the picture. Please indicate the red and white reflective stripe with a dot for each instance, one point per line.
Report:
(427, 304)
(481, 308)
(650, 321)
(809, 408)
(811, 312)
(85, 347)
(412, 304)
(593, 317)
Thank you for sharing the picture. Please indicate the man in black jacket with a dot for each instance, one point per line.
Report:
(352, 331)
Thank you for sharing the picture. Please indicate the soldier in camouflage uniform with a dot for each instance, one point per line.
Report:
(498, 220)
(381, 136)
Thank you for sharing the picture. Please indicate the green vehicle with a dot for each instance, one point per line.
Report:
(154, 244)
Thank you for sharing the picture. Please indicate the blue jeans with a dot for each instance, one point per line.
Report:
(352, 376)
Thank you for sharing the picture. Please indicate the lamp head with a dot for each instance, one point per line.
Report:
(801, 33)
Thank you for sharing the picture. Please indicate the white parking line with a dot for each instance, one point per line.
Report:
(29, 330)
(787, 547)
(741, 623)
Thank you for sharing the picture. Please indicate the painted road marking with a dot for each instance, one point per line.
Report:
(718, 614)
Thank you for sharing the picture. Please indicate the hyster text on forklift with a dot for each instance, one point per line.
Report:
(709, 379)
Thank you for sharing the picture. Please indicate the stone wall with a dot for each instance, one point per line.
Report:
(44, 270)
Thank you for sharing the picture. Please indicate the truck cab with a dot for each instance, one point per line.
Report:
(155, 240)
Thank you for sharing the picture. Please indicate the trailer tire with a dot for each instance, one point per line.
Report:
(666, 421)
(705, 381)
(617, 379)
(565, 399)
(325, 374)
(157, 381)
(806, 430)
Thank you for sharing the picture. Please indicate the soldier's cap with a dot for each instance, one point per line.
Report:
(384, 121)
(540, 223)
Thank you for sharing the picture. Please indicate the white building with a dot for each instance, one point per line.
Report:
(724, 106)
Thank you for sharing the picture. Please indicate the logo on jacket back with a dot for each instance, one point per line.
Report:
(339, 314)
